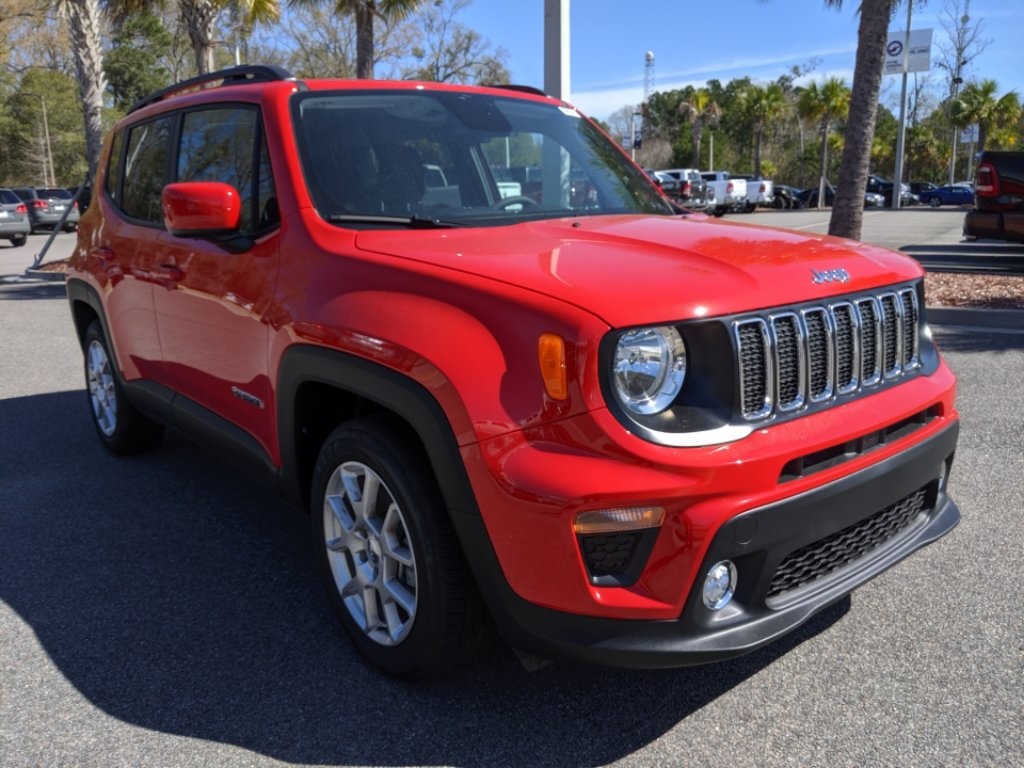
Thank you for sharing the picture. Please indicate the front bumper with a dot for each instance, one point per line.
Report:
(762, 542)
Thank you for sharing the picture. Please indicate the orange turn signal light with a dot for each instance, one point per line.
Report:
(618, 520)
(551, 355)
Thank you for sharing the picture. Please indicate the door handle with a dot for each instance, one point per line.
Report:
(172, 272)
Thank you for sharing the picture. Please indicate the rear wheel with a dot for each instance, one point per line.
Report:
(388, 554)
(121, 428)
(19, 240)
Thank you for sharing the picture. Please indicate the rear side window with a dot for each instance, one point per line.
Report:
(144, 170)
(9, 198)
(112, 182)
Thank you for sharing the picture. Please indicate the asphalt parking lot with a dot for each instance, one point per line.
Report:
(161, 611)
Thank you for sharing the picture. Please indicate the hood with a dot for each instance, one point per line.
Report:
(632, 270)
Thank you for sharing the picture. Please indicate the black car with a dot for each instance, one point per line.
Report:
(884, 187)
(787, 197)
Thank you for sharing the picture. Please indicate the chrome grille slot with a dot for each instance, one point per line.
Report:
(815, 354)
(790, 361)
(755, 367)
(892, 319)
(820, 354)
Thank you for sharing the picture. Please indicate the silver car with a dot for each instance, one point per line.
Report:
(14, 223)
(49, 207)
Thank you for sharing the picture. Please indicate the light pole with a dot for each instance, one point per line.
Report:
(957, 82)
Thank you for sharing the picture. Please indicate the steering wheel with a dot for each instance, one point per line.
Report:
(505, 202)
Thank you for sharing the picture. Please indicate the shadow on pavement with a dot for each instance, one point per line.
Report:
(177, 597)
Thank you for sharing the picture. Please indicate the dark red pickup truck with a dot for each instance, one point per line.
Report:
(998, 198)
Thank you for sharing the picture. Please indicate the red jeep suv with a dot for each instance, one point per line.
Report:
(509, 382)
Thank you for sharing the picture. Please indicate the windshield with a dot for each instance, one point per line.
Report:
(459, 158)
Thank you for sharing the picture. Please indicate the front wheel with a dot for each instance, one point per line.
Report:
(388, 554)
(934, 202)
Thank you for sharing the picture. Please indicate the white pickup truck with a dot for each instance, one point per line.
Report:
(730, 193)
(759, 192)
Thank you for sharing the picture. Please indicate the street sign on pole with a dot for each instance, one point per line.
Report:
(917, 53)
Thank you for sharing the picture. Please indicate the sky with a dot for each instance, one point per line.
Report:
(694, 42)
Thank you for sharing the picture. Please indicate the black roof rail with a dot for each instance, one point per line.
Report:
(521, 88)
(247, 73)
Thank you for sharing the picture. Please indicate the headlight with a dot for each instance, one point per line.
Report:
(649, 368)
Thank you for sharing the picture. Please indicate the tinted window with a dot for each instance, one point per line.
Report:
(465, 158)
(144, 170)
(9, 198)
(112, 183)
(221, 145)
(61, 194)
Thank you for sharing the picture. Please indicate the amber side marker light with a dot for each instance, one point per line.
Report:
(618, 520)
(551, 355)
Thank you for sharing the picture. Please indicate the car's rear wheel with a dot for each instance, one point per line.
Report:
(19, 240)
(121, 428)
(388, 554)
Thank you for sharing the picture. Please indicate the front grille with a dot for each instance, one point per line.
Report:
(788, 360)
(833, 552)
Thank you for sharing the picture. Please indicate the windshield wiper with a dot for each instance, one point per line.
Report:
(416, 221)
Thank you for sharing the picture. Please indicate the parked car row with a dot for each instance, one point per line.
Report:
(44, 208)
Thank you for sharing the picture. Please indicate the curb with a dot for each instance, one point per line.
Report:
(39, 274)
(1003, 319)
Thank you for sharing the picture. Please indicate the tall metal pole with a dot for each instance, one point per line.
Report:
(957, 80)
(897, 182)
(49, 179)
(556, 48)
(555, 186)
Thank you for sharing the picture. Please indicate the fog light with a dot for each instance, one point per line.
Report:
(719, 585)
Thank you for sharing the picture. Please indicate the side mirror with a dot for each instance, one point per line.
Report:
(208, 209)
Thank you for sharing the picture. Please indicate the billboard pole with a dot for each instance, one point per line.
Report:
(897, 181)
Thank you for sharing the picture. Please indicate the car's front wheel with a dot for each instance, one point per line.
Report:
(934, 202)
(388, 554)
(122, 428)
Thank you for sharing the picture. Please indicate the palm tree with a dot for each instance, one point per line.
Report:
(84, 22)
(824, 105)
(978, 104)
(848, 205)
(364, 12)
(698, 109)
(762, 104)
(200, 16)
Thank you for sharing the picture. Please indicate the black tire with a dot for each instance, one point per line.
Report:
(121, 428)
(19, 240)
(70, 227)
(395, 574)
(934, 202)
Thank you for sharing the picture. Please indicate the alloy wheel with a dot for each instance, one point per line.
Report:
(102, 393)
(370, 553)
